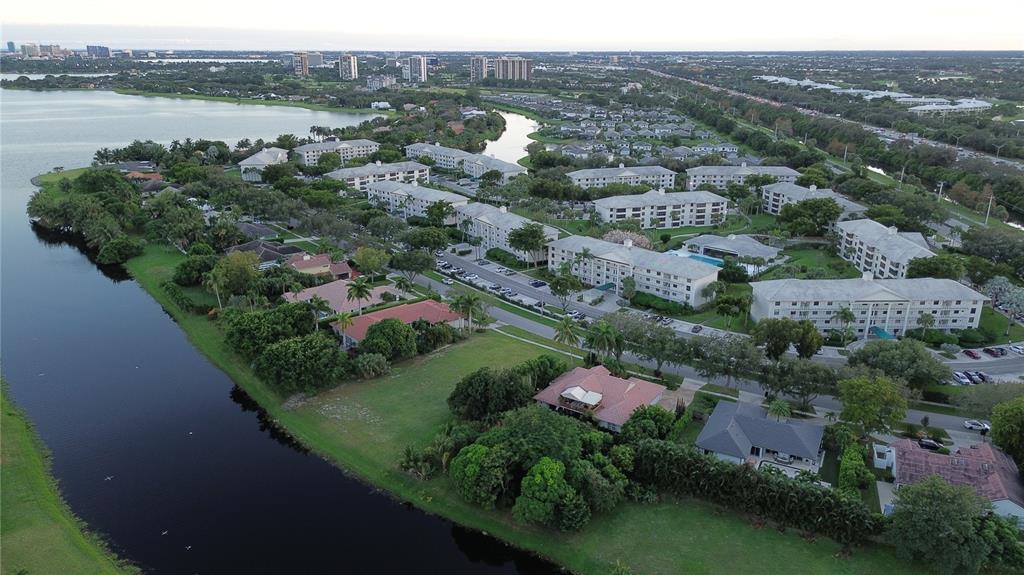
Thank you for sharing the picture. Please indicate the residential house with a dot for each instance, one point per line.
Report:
(253, 166)
(596, 393)
(654, 176)
(408, 200)
(883, 251)
(734, 245)
(336, 295)
(360, 177)
(270, 254)
(658, 209)
(319, 264)
(884, 307)
(255, 231)
(741, 432)
(429, 310)
(605, 265)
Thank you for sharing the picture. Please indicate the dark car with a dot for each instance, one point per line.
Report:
(990, 351)
(972, 354)
(538, 284)
(980, 375)
(696, 329)
(929, 444)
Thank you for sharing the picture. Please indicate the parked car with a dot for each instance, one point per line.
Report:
(538, 283)
(666, 321)
(929, 444)
(991, 351)
(961, 378)
(500, 269)
(510, 272)
(447, 281)
(439, 253)
(482, 262)
(494, 287)
(972, 354)
(975, 425)
(783, 458)
(470, 277)
(1017, 348)
(697, 329)
(982, 376)
(456, 270)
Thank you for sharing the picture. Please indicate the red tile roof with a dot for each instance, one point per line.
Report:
(430, 310)
(988, 470)
(619, 397)
(306, 261)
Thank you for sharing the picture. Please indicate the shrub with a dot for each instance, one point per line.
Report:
(390, 338)
(854, 474)
(119, 250)
(191, 270)
(648, 301)
(179, 298)
(305, 363)
(505, 258)
(370, 365)
(464, 252)
(971, 337)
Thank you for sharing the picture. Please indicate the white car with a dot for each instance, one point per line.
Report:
(976, 425)
(1017, 348)
(961, 378)
(447, 281)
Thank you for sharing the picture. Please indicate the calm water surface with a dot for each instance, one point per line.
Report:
(147, 436)
(511, 146)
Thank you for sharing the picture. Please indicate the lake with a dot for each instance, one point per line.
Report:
(511, 145)
(116, 391)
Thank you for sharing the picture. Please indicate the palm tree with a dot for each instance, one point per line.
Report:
(779, 409)
(605, 339)
(358, 290)
(567, 332)
(318, 306)
(845, 316)
(467, 304)
(404, 285)
(212, 280)
(344, 320)
(465, 225)
(925, 321)
(714, 288)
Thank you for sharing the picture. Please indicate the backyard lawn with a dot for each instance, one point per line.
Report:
(811, 263)
(996, 323)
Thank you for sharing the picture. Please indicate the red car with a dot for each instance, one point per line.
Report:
(972, 354)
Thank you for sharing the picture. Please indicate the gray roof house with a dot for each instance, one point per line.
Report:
(738, 245)
(738, 432)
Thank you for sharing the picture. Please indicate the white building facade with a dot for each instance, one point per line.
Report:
(252, 167)
(493, 225)
(348, 67)
(443, 157)
(408, 200)
(883, 252)
(361, 176)
(658, 209)
(309, 154)
(721, 176)
(654, 176)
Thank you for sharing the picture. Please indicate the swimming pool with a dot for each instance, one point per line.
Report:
(699, 257)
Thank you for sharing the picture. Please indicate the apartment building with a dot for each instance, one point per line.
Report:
(883, 307)
(493, 225)
(477, 165)
(415, 69)
(408, 200)
(724, 150)
(360, 177)
(300, 64)
(779, 194)
(598, 263)
(348, 67)
(883, 252)
(252, 167)
(443, 157)
(477, 68)
(722, 176)
(309, 154)
(506, 68)
(658, 209)
(654, 176)
(379, 82)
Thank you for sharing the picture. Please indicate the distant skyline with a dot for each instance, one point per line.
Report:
(527, 25)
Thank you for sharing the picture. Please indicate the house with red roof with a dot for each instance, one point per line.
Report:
(429, 310)
(319, 264)
(336, 295)
(596, 392)
(991, 473)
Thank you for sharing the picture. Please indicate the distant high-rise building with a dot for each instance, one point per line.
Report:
(477, 68)
(300, 64)
(348, 67)
(415, 69)
(315, 59)
(10, 46)
(97, 51)
(506, 68)
(30, 50)
(375, 83)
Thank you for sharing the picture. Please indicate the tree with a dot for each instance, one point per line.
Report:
(1008, 427)
(628, 287)
(564, 285)
(385, 227)
(404, 285)
(779, 408)
(329, 161)
(528, 238)
(776, 335)
(907, 359)
(937, 522)
(567, 332)
(545, 496)
(731, 306)
(306, 363)
(438, 213)
(487, 393)
(727, 357)
(370, 261)
(605, 339)
(358, 290)
(391, 338)
(237, 271)
(714, 289)
(980, 400)
(412, 263)
(872, 403)
(480, 474)
(430, 239)
(319, 307)
(119, 250)
(810, 217)
(655, 343)
(647, 422)
(808, 341)
(468, 304)
(941, 266)
(808, 380)
(846, 317)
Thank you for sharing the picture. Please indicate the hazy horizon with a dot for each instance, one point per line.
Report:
(529, 25)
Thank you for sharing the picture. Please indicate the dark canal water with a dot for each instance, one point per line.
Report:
(153, 446)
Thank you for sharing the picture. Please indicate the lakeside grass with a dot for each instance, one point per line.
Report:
(364, 427)
(40, 533)
(255, 102)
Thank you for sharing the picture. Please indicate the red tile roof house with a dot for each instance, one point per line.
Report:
(336, 295)
(430, 310)
(319, 264)
(611, 400)
(988, 470)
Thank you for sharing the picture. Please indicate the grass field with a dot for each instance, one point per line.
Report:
(39, 532)
(809, 261)
(365, 426)
(711, 318)
(997, 322)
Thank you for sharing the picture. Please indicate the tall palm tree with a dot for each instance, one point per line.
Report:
(318, 306)
(404, 285)
(358, 290)
(845, 316)
(212, 280)
(344, 320)
(605, 339)
(567, 332)
(467, 304)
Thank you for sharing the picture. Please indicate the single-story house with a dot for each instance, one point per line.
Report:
(740, 245)
(989, 471)
(429, 310)
(742, 432)
(595, 391)
(319, 264)
(336, 295)
(270, 254)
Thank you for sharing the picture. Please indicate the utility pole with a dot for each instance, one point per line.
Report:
(988, 211)
(999, 149)
(846, 148)
(903, 171)
(941, 184)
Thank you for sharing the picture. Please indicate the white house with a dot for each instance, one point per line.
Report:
(599, 263)
(722, 176)
(252, 167)
(654, 176)
(882, 251)
(477, 165)
(359, 177)
(658, 209)
(309, 154)
(493, 225)
(408, 200)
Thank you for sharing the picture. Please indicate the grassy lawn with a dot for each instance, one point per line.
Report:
(720, 389)
(996, 323)
(711, 318)
(808, 261)
(365, 426)
(829, 470)
(691, 432)
(39, 532)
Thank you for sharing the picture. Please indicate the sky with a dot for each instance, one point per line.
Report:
(523, 25)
